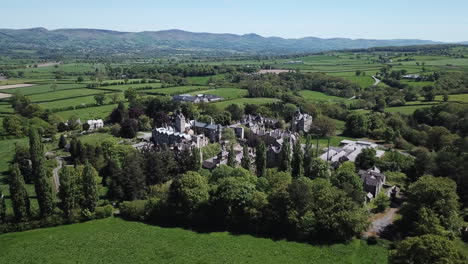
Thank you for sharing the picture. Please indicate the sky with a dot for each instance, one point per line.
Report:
(398, 19)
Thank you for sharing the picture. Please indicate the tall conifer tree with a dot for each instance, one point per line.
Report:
(297, 169)
(260, 159)
(18, 194)
(39, 174)
(245, 162)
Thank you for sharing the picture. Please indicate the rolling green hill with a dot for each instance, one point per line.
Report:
(41, 41)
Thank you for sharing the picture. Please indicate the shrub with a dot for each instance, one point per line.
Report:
(104, 211)
(372, 240)
(133, 210)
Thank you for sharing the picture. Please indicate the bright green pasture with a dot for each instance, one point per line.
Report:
(63, 94)
(242, 101)
(318, 96)
(203, 80)
(227, 93)
(455, 98)
(113, 240)
(43, 88)
(410, 107)
(124, 87)
(177, 90)
(88, 113)
(86, 100)
(5, 107)
(96, 138)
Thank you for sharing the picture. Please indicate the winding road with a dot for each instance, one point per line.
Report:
(55, 173)
(377, 81)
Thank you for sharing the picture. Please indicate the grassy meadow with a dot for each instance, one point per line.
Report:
(113, 240)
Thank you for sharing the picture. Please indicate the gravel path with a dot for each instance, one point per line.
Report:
(381, 221)
(55, 173)
(377, 81)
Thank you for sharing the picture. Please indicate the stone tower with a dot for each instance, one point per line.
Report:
(180, 123)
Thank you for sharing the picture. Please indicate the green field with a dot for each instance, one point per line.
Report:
(96, 138)
(226, 93)
(88, 113)
(242, 101)
(86, 100)
(410, 107)
(176, 90)
(114, 240)
(43, 88)
(203, 80)
(124, 87)
(318, 96)
(44, 97)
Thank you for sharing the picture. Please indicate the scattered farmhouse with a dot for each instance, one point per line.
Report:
(411, 76)
(373, 182)
(274, 71)
(196, 98)
(95, 124)
(348, 151)
(294, 62)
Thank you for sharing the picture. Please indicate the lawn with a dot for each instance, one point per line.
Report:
(96, 138)
(203, 80)
(124, 87)
(7, 150)
(43, 88)
(64, 94)
(318, 96)
(114, 240)
(86, 100)
(176, 90)
(410, 107)
(226, 93)
(242, 101)
(88, 113)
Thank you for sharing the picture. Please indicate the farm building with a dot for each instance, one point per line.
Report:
(411, 76)
(196, 98)
(274, 71)
(349, 151)
(373, 181)
(95, 124)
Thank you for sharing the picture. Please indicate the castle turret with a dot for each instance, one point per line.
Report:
(180, 123)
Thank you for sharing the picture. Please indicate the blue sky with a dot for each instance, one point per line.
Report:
(423, 19)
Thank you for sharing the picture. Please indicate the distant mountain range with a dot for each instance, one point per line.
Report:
(97, 41)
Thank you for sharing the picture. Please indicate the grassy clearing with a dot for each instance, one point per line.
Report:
(113, 240)
(64, 94)
(125, 87)
(176, 90)
(43, 88)
(203, 80)
(318, 96)
(96, 138)
(410, 107)
(7, 150)
(88, 113)
(242, 101)
(86, 100)
(226, 93)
